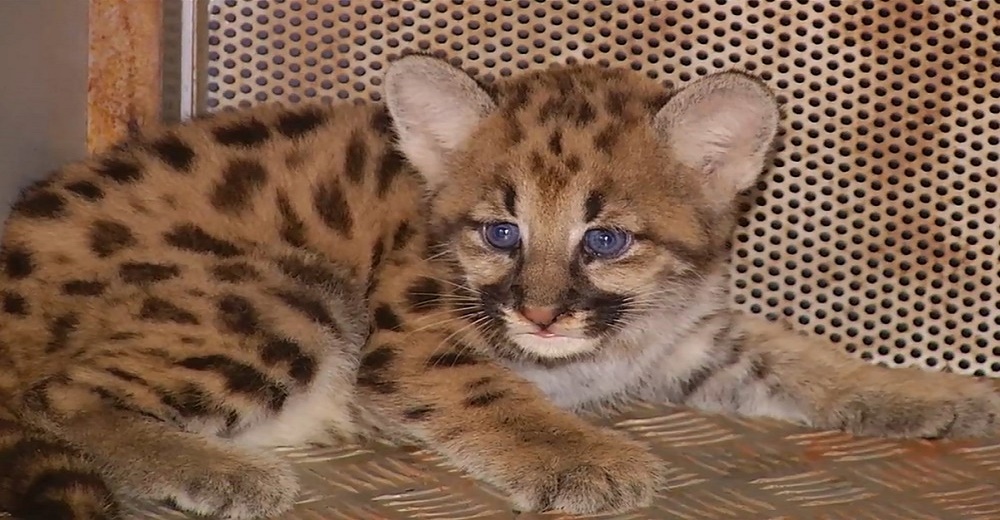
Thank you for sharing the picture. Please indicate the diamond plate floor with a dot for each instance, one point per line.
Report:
(721, 468)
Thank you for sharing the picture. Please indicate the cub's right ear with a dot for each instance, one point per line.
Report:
(434, 107)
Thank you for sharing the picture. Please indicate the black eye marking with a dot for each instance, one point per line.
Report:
(593, 206)
(510, 199)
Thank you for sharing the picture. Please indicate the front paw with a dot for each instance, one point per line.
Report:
(249, 490)
(608, 474)
(966, 410)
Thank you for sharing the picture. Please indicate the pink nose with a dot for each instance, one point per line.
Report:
(541, 316)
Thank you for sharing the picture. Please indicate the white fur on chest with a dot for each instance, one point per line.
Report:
(313, 414)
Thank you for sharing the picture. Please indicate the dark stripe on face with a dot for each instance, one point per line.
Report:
(606, 309)
(593, 206)
(510, 199)
(698, 258)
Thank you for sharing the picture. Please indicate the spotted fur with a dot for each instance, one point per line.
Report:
(278, 275)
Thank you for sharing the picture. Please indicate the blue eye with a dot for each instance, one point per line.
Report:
(606, 243)
(502, 235)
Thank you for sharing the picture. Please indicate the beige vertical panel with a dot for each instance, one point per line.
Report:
(124, 83)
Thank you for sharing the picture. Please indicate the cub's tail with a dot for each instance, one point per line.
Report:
(44, 479)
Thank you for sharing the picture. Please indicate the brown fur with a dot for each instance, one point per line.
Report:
(282, 275)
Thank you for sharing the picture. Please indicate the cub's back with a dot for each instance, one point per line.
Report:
(159, 214)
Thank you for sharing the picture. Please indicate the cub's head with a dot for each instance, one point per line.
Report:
(577, 203)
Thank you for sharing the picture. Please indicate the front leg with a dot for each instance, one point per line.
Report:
(766, 369)
(497, 427)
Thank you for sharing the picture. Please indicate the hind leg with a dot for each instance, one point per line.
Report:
(152, 460)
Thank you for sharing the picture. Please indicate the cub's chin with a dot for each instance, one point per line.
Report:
(554, 347)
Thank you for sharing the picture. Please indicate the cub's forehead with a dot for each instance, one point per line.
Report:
(571, 129)
(594, 92)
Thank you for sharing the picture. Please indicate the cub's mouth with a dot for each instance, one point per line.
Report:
(548, 334)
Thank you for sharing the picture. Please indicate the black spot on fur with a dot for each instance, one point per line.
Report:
(126, 376)
(655, 103)
(17, 263)
(307, 305)
(142, 273)
(85, 189)
(193, 238)
(424, 294)
(537, 162)
(616, 103)
(478, 383)
(235, 272)
(585, 114)
(387, 319)
(374, 263)
(15, 304)
(389, 167)
(515, 132)
(191, 401)
(239, 377)
(243, 133)
(485, 399)
(355, 157)
(293, 228)
(65, 494)
(418, 413)
(84, 288)
(124, 336)
(162, 311)
(119, 170)
(373, 371)
(552, 108)
(171, 150)
(555, 143)
(108, 238)
(607, 139)
(331, 205)
(238, 315)
(402, 236)
(518, 96)
(760, 367)
(510, 199)
(452, 358)
(302, 368)
(593, 206)
(59, 332)
(573, 164)
(299, 123)
(309, 272)
(382, 122)
(40, 204)
(241, 180)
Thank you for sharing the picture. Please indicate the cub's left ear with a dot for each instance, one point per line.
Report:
(434, 107)
(723, 126)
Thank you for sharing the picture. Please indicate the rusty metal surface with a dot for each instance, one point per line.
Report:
(720, 468)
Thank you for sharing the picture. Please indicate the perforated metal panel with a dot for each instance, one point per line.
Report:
(876, 226)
